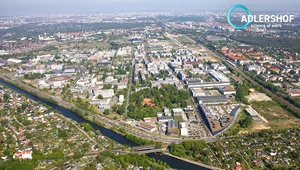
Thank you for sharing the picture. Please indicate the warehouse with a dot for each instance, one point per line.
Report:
(212, 99)
(207, 84)
(198, 92)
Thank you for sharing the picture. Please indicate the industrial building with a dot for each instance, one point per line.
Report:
(212, 99)
(164, 119)
(197, 92)
(146, 127)
(218, 76)
(193, 80)
(172, 127)
(227, 90)
(184, 129)
(207, 84)
(255, 116)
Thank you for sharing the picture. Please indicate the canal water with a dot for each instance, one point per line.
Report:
(173, 162)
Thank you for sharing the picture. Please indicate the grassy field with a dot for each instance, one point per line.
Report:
(208, 59)
(235, 128)
(183, 40)
(53, 52)
(278, 117)
(83, 45)
(2, 71)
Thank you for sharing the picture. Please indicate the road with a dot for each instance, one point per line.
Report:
(78, 77)
(129, 87)
(232, 122)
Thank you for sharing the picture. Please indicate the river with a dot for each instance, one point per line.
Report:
(173, 162)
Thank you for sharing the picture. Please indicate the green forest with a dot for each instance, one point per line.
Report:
(134, 159)
(269, 42)
(166, 96)
(191, 149)
(242, 92)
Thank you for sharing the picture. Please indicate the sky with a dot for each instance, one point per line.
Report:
(29, 7)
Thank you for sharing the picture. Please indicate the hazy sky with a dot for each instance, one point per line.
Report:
(25, 7)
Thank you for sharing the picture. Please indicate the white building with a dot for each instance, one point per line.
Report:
(13, 61)
(56, 66)
(43, 84)
(121, 99)
(183, 129)
(178, 111)
(83, 82)
(218, 76)
(105, 93)
(23, 155)
(227, 90)
(197, 92)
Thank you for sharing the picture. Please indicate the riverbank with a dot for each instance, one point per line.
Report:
(193, 162)
(96, 119)
(173, 162)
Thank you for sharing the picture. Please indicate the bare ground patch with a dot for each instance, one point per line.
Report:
(278, 118)
(255, 127)
(260, 126)
(256, 96)
(211, 59)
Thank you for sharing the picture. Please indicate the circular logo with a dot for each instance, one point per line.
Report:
(233, 8)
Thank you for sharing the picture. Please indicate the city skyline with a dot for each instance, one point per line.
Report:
(34, 7)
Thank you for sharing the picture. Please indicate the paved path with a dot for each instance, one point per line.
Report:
(19, 122)
(214, 155)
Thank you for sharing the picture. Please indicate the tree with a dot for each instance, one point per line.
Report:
(100, 96)
(62, 134)
(115, 118)
(246, 122)
(107, 86)
(91, 70)
(5, 97)
(242, 91)
(292, 72)
(98, 132)
(86, 126)
(115, 88)
(24, 105)
(133, 87)
(121, 110)
(106, 112)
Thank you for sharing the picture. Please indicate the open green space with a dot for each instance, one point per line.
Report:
(277, 117)
(184, 40)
